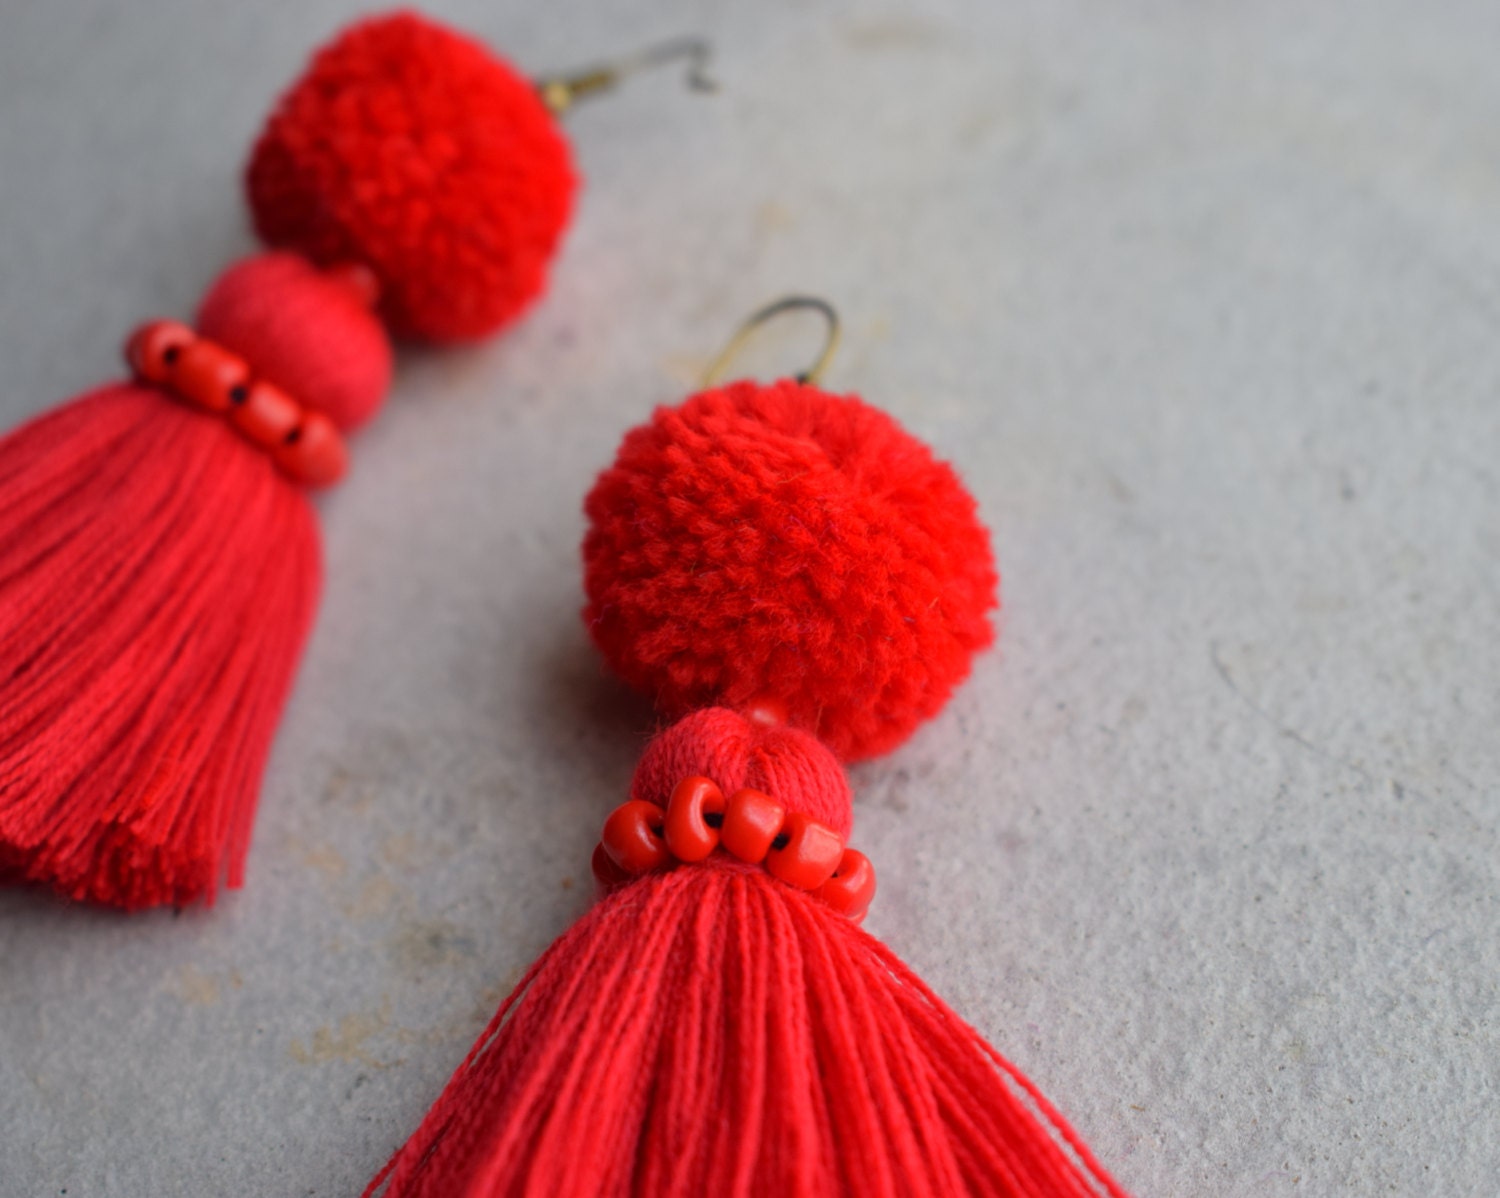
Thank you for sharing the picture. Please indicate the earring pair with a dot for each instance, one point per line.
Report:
(793, 578)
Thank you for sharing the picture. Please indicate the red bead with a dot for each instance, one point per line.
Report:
(752, 821)
(306, 445)
(632, 837)
(208, 375)
(607, 875)
(265, 414)
(313, 453)
(153, 348)
(688, 833)
(809, 852)
(852, 886)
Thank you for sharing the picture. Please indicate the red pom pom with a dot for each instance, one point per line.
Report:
(309, 332)
(775, 540)
(414, 150)
(790, 765)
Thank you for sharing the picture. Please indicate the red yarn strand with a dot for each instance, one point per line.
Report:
(158, 576)
(157, 579)
(712, 1031)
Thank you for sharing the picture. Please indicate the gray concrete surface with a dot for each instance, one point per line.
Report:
(1203, 299)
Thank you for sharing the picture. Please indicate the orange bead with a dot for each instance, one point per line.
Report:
(632, 837)
(695, 812)
(752, 821)
(806, 853)
(153, 349)
(208, 375)
(852, 886)
(264, 413)
(313, 453)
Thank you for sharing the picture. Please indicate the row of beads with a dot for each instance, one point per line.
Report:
(640, 837)
(305, 444)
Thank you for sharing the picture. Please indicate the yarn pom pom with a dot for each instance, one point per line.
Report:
(775, 540)
(413, 150)
(308, 331)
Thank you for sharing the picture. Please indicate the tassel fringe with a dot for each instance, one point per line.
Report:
(712, 1031)
(157, 580)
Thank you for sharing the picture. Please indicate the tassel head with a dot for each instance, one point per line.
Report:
(311, 332)
(738, 753)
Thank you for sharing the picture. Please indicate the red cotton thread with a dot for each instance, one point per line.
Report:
(710, 1027)
(158, 576)
(713, 1030)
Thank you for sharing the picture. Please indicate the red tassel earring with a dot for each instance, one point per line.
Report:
(800, 581)
(159, 558)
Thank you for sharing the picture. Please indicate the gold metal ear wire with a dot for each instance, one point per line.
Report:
(790, 303)
(560, 92)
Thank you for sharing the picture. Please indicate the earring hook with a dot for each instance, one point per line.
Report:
(790, 303)
(560, 92)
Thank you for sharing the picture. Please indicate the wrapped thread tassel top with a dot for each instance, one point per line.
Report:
(159, 559)
(719, 1023)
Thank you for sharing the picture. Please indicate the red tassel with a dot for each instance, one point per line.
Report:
(712, 1030)
(158, 576)
(157, 579)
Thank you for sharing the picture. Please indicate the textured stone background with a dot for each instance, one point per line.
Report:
(1203, 300)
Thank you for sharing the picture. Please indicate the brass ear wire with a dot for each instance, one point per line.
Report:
(560, 92)
(790, 303)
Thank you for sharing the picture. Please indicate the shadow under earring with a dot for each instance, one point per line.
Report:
(798, 582)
